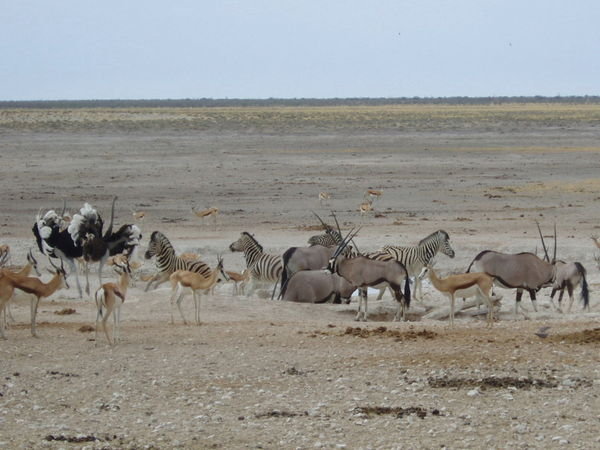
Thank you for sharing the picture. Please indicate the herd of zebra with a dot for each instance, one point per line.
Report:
(330, 268)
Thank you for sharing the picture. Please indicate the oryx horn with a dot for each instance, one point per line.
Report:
(543, 243)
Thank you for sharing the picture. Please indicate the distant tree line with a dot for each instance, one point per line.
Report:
(209, 102)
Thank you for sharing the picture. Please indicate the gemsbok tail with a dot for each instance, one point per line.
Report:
(585, 293)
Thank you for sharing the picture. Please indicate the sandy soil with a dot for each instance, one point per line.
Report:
(265, 374)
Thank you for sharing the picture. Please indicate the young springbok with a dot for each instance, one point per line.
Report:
(111, 296)
(31, 285)
(459, 284)
(324, 197)
(181, 279)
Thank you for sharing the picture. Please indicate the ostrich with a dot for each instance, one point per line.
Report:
(86, 231)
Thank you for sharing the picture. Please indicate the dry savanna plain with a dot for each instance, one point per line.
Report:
(269, 374)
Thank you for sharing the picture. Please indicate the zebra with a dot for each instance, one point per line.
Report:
(168, 262)
(415, 258)
(263, 267)
(330, 238)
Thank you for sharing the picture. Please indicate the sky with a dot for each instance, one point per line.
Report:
(153, 49)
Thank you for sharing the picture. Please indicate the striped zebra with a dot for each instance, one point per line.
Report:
(415, 258)
(263, 267)
(330, 238)
(168, 262)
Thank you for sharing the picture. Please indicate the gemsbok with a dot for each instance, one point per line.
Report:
(364, 272)
(521, 271)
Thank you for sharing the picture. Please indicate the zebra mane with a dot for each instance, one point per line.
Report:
(432, 235)
(253, 239)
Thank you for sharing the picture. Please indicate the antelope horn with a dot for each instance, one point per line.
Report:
(337, 224)
(321, 220)
(547, 258)
(342, 245)
(554, 257)
(38, 215)
(64, 208)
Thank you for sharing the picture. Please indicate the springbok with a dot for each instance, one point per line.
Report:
(317, 286)
(363, 272)
(31, 285)
(32, 264)
(459, 284)
(110, 297)
(239, 280)
(570, 275)
(595, 239)
(181, 279)
(521, 271)
(324, 197)
(373, 194)
(365, 207)
(203, 214)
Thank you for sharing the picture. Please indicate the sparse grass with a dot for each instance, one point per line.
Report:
(302, 119)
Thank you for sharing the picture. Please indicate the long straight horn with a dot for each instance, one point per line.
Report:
(554, 257)
(543, 243)
(342, 244)
(62, 214)
(112, 216)
(321, 220)
(337, 224)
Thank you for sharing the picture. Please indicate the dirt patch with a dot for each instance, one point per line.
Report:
(580, 337)
(390, 333)
(65, 312)
(397, 412)
(492, 382)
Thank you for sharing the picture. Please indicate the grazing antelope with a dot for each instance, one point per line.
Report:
(570, 275)
(364, 272)
(521, 271)
(181, 279)
(595, 239)
(110, 297)
(214, 212)
(324, 198)
(459, 284)
(31, 285)
(317, 286)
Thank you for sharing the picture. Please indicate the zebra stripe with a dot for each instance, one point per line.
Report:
(330, 238)
(416, 257)
(166, 259)
(262, 266)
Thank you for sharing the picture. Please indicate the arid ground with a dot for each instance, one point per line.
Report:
(267, 374)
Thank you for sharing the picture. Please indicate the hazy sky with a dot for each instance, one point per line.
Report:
(83, 49)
